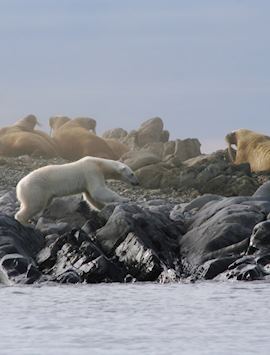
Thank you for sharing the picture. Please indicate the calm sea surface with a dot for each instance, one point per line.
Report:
(201, 318)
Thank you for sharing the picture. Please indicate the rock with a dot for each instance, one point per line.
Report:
(165, 135)
(150, 131)
(161, 235)
(201, 159)
(19, 246)
(221, 228)
(115, 133)
(168, 149)
(213, 268)
(141, 262)
(199, 202)
(213, 174)
(150, 176)
(206, 174)
(63, 215)
(46, 226)
(260, 238)
(8, 202)
(131, 140)
(187, 148)
(138, 159)
(155, 148)
(247, 268)
(16, 269)
(73, 257)
(150, 232)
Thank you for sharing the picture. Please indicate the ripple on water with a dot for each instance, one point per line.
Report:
(200, 318)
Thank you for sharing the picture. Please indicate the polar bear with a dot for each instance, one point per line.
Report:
(36, 190)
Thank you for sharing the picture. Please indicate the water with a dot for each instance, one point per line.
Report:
(202, 318)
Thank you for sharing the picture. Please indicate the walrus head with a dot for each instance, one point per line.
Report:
(27, 123)
(87, 123)
(231, 138)
(57, 121)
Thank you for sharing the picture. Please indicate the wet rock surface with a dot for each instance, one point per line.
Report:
(18, 249)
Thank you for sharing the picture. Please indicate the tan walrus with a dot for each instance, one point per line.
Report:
(21, 138)
(117, 147)
(75, 140)
(252, 148)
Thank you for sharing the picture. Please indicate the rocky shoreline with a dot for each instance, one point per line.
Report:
(161, 235)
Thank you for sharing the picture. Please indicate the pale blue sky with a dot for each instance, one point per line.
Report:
(203, 66)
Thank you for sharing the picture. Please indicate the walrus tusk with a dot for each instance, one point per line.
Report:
(230, 139)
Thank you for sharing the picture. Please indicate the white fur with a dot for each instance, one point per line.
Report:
(36, 190)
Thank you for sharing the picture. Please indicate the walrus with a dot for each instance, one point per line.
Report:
(90, 124)
(252, 148)
(75, 140)
(85, 122)
(21, 143)
(21, 138)
(117, 147)
(27, 123)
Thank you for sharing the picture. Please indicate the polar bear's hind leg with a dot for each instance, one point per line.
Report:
(91, 202)
(30, 207)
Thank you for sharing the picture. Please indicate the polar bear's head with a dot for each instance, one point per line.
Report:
(127, 175)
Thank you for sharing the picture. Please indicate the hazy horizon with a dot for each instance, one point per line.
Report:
(203, 67)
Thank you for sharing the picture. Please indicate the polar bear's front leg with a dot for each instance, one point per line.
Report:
(102, 195)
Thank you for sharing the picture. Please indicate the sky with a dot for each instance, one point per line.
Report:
(202, 66)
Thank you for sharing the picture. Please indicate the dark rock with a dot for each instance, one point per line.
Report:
(19, 246)
(220, 229)
(75, 254)
(64, 214)
(69, 277)
(211, 237)
(152, 226)
(141, 262)
(211, 268)
(8, 202)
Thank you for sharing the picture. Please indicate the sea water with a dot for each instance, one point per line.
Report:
(141, 318)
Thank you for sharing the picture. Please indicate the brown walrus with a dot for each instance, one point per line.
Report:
(117, 147)
(27, 123)
(21, 138)
(252, 148)
(76, 141)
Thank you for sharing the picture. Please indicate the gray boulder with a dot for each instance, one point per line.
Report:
(138, 159)
(150, 176)
(115, 133)
(150, 131)
(187, 148)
